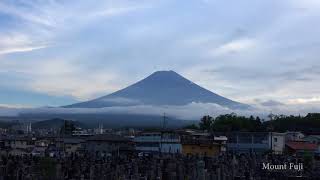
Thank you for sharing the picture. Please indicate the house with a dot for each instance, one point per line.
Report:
(39, 151)
(23, 145)
(277, 142)
(108, 143)
(223, 141)
(148, 141)
(19, 142)
(42, 142)
(41, 145)
(203, 144)
(255, 142)
(18, 152)
(53, 151)
(300, 148)
(312, 139)
(72, 145)
(294, 136)
(315, 139)
(162, 141)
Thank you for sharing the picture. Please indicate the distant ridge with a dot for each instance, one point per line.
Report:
(54, 123)
(160, 88)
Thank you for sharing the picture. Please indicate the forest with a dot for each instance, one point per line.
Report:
(279, 123)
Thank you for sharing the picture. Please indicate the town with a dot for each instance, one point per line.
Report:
(70, 152)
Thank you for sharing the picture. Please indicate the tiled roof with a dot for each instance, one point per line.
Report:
(301, 145)
(108, 137)
(72, 140)
(313, 136)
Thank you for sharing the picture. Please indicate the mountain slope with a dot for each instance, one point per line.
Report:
(54, 123)
(160, 88)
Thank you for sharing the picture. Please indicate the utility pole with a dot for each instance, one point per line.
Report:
(63, 135)
(164, 121)
(161, 132)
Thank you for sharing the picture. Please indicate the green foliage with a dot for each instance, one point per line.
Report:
(232, 122)
(206, 123)
(282, 123)
(279, 123)
(192, 126)
(55, 123)
(308, 160)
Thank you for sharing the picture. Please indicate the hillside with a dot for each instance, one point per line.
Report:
(160, 88)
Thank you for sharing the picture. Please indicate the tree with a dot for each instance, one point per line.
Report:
(258, 119)
(206, 123)
(192, 126)
(279, 123)
(271, 116)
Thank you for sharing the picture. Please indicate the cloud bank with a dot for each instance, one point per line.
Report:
(192, 111)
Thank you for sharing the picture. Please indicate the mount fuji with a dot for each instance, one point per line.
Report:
(160, 88)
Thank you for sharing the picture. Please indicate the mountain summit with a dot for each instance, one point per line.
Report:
(160, 88)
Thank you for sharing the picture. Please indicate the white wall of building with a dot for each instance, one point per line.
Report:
(277, 142)
(158, 142)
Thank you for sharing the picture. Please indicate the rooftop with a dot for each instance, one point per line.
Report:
(108, 137)
(302, 145)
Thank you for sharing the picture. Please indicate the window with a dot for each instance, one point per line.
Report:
(275, 139)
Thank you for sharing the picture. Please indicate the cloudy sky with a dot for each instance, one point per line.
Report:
(58, 52)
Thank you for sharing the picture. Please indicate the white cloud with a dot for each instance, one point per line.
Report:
(12, 43)
(192, 111)
(308, 4)
(65, 78)
(44, 24)
(35, 15)
(20, 49)
(189, 112)
(301, 101)
(14, 106)
(235, 46)
(115, 11)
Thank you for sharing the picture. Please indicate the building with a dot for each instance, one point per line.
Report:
(73, 145)
(300, 148)
(53, 151)
(108, 144)
(203, 144)
(39, 151)
(43, 142)
(162, 141)
(315, 139)
(255, 142)
(19, 152)
(17, 142)
(294, 136)
(277, 142)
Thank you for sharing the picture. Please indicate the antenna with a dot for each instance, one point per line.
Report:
(100, 128)
(29, 128)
